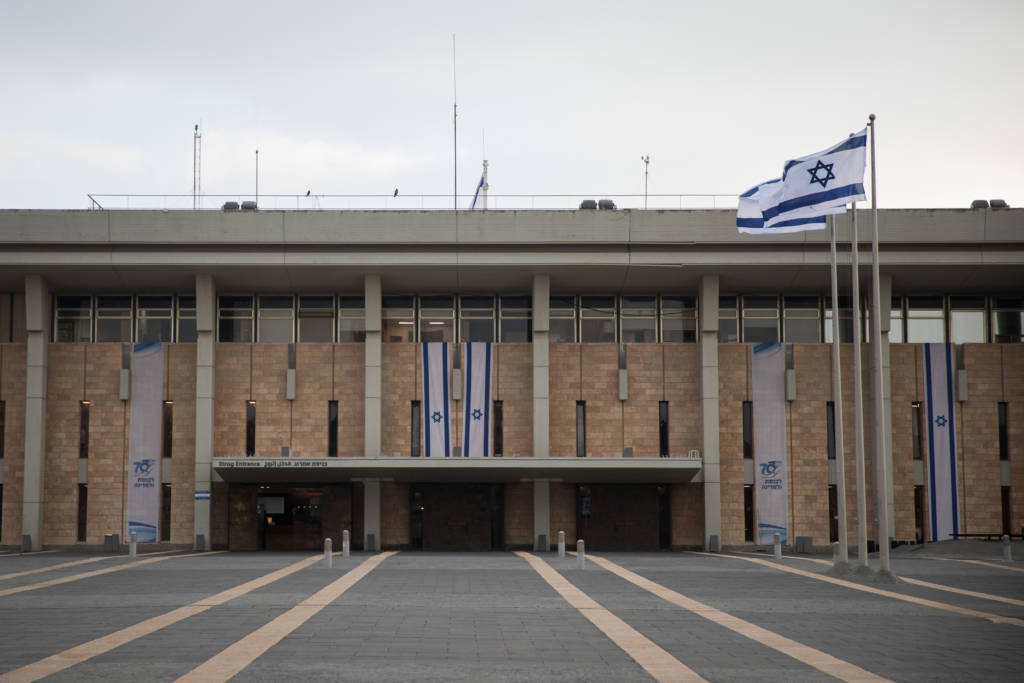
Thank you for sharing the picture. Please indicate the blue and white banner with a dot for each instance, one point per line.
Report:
(768, 384)
(437, 432)
(941, 438)
(750, 220)
(476, 195)
(145, 441)
(476, 436)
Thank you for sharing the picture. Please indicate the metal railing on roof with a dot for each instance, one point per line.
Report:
(409, 202)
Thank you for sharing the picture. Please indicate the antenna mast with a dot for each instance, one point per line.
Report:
(455, 130)
(197, 144)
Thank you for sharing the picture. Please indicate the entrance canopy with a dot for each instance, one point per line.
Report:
(315, 470)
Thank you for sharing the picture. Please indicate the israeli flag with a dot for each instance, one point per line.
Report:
(476, 437)
(943, 500)
(476, 194)
(437, 439)
(750, 220)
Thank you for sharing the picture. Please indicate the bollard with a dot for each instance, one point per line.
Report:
(835, 554)
(561, 544)
(132, 544)
(344, 543)
(778, 546)
(1007, 555)
(328, 555)
(581, 555)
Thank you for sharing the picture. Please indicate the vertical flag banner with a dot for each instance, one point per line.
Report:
(145, 440)
(941, 435)
(476, 438)
(437, 439)
(768, 376)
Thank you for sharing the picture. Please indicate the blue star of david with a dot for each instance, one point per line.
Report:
(828, 173)
(477, 414)
(436, 416)
(941, 420)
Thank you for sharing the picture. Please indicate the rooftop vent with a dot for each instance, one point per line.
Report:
(248, 206)
(998, 204)
(230, 206)
(589, 204)
(979, 204)
(606, 205)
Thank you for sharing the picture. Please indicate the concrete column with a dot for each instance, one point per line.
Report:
(37, 326)
(541, 363)
(372, 394)
(206, 339)
(885, 303)
(708, 309)
(541, 514)
(371, 513)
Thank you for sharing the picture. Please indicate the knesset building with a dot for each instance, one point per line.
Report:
(286, 398)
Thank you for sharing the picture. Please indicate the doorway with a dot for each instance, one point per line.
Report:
(457, 516)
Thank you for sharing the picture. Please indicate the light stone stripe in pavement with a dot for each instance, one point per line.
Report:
(63, 660)
(74, 563)
(231, 660)
(97, 572)
(822, 661)
(35, 552)
(655, 660)
(982, 563)
(997, 618)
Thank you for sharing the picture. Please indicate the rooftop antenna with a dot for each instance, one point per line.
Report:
(197, 142)
(485, 186)
(647, 162)
(257, 178)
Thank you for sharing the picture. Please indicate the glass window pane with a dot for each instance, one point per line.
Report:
(316, 329)
(316, 303)
(358, 302)
(967, 327)
(113, 330)
(597, 330)
(638, 330)
(803, 330)
(235, 301)
(727, 330)
(73, 330)
(523, 302)
(562, 330)
(516, 329)
(354, 330)
(1007, 327)
(477, 330)
(757, 331)
(679, 330)
(154, 329)
(187, 330)
(395, 330)
(437, 330)
(925, 330)
(234, 330)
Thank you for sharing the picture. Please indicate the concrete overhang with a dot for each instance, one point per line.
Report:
(477, 470)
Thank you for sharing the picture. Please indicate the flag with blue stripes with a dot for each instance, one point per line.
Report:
(476, 194)
(750, 220)
(476, 436)
(943, 498)
(437, 437)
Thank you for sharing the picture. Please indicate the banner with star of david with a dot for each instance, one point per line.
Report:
(771, 482)
(437, 438)
(476, 434)
(943, 501)
(145, 441)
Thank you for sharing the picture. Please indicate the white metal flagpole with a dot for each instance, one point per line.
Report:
(858, 401)
(837, 412)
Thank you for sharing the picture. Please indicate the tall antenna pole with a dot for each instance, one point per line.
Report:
(197, 190)
(455, 131)
(485, 186)
(647, 162)
(257, 178)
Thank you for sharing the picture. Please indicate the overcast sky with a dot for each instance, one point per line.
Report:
(559, 96)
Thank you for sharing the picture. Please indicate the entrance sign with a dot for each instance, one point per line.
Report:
(941, 435)
(476, 415)
(145, 439)
(768, 377)
(436, 419)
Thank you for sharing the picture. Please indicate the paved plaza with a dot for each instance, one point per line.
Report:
(957, 613)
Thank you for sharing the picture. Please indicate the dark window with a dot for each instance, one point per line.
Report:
(316, 318)
(728, 327)
(332, 429)
(1004, 441)
(83, 507)
(415, 431)
(748, 430)
(562, 319)
(83, 429)
(1007, 516)
(833, 514)
(663, 429)
(748, 513)
(187, 319)
(250, 429)
(236, 318)
(3, 415)
(165, 512)
(168, 428)
(516, 320)
(114, 318)
(581, 429)
(499, 428)
(830, 420)
(915, 429)
(154, 320)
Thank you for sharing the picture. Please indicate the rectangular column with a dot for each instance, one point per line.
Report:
(37, 326)
(373, 368)
(541, 365)
(541, 515)
(206, 316)
(708, 309)
(371, 515)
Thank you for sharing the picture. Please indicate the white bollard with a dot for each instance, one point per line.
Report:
(132, 544)
(835, 554)
(1007, 555)
(344, 543)
(778, 546)
(581, 555)
(561, 544)
(328, 555)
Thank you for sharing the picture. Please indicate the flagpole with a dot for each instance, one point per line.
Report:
(858, 402)
(837, 411)
(881, 454)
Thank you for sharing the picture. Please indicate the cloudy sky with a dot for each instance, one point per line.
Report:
(560, 96)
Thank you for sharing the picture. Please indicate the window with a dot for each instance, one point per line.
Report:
(830, 425)
(760, 319)
(3, 424)
(915, 429)
(114, 318)
(165, 512)
(516, 322)
(250, 429)
(476, 318)
(352, 319)
(581, 429)
(562, 325)
(663, 429)
(277, 318)
(316, 318)
(168, 429)
(74, 319)
(678, 318)
(437, 318)
(83, 510)
(748, 513)
(414, 445)
(83, 429)
(924, 319)
(154, 318)
(639, 319)
(896, 335)
(802, 322)
(235, 319)
(332, 429)
(845, 319)
(597, 319)
(1004, 440)
(967, 319)
(398, 319)
(728, 330)
(499, 428)
(186, 319)
(1007, 507)
(748, 430)
(1007, 319)
(833, 514)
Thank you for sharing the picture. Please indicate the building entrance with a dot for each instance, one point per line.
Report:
(274, 517)
(457, 516)
(623, 517)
